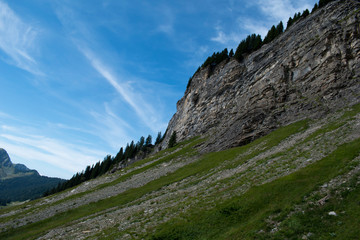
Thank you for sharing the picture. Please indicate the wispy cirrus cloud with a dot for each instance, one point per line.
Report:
(145, 111)
(272, 13)
(226, 38)
(281, 10)
(276, 9)
(5, 115)
(251, 26)
(39, 149)
(167, 21)
(17, 40)
(85, 39)
(114, 129)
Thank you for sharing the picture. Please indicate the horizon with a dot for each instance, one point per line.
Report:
(80, 81)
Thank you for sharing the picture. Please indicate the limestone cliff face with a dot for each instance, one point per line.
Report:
(310, 70)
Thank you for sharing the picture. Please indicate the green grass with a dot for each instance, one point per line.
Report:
(335, 124)
(269, 141)
(243, 216)
(317, 221)
(203, 165)
(33, 230)
(186, 150)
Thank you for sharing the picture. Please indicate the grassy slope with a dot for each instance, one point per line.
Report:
(206, 163)
(186, 150)
(241, 216)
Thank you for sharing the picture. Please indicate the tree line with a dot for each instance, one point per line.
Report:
(254, 42)
(250, 44)
(132, 149)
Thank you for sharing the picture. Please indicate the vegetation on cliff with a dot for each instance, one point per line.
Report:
(253, 42)
(143, 147)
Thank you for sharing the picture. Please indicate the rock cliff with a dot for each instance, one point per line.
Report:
(301, 181)
(312, 69)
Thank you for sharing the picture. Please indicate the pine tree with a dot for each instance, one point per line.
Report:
(252, 43)
(172, 140)
(158, 138)
(279, 28)
(289, 22)
(240, 50)
(127, 152)
(315, 8)
(305, 13)
(105, 165)
(140, 144)
(257, 42)
(87, 173)
(132, 150)
(270, 35)
(119, 156)
(231, 53)
(148, 141)
(96, 170)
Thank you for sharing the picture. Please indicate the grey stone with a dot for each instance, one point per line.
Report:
(312, 69)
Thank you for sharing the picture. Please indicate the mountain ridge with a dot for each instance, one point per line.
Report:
(19, 183)
(10, 170)
(278, 155)
(275, 85)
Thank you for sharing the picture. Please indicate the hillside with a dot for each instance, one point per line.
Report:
(9, 170)
(268, 148)
(282, 185)
(310, 70)
(18, 183)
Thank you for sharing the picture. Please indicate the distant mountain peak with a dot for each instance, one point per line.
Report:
(4, 158)
(19, 183)
(21, 168)
(10, 170)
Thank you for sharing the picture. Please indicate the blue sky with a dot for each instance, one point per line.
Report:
(79, 79)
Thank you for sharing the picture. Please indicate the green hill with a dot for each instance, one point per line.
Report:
(287, 184)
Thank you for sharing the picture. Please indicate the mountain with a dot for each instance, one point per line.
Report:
(10, 170)
(308, 71)
(19, 183)
(267, 148)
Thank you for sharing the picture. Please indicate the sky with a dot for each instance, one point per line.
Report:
(80, 79)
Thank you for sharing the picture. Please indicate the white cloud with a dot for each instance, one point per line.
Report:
(165, 15)
(277, 9)
(226, 38)
(36, 148)
(17, 39)
(166, 28)
(6, 116)
(273, 12)
(114, 130)
(281, 10)
(145, 111)
(254, 26)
